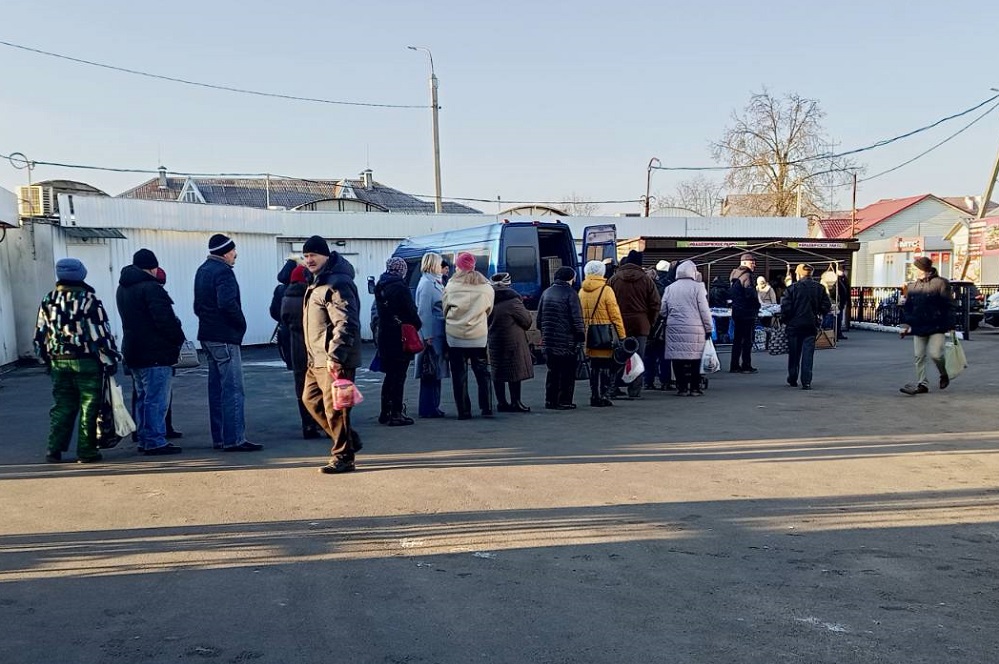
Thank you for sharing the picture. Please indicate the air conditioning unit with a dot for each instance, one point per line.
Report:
(35, 201)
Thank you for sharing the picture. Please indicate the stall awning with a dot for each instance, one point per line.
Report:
(93, 233)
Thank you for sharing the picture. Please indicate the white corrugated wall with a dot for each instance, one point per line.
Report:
(8, 328)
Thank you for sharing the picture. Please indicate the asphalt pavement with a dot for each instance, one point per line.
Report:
(756, 524)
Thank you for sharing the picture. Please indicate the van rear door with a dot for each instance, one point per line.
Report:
(519, 256)
(599, 243)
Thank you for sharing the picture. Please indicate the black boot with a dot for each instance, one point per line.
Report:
(399, 420)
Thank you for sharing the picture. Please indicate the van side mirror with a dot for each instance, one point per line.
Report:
(371, 285)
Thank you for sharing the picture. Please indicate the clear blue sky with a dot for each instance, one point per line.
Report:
(539, 99)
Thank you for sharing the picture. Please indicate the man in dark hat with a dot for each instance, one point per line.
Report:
(332, 327)
(221, 326)
(745, 308)
(802, 305)
(73, 339)
(560, 319)
(928, 314)
(150, 345)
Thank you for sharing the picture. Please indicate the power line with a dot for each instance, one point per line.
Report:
(823, 157)
(146, 171)
(932, 148)
(211, 86)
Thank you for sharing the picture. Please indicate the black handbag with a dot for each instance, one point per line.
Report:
(601, 336)
(582, 365)
(430, 364)
(658, 333)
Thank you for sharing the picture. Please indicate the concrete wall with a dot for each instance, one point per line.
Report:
(8, 327)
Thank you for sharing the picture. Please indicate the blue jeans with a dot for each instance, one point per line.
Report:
(225, 393)
(152, 398)
(800, 353)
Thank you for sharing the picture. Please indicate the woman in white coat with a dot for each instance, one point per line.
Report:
(688, 324)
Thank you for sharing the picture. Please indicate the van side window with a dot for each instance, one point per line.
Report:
(522, 264)
(481, 261)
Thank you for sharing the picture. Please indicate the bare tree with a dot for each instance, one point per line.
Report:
(776, 146)
(698, 194)
(577, 206)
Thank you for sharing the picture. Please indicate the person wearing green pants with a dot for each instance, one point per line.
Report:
(74, 341)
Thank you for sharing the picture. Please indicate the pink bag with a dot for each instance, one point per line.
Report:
(345, 394)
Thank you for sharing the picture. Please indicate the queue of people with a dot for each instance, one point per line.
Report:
(461, 321)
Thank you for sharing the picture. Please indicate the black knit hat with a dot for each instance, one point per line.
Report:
(220, 245)
(633, 258)
(923, 263)
(564, 273)
(316, 245)
(144, 259)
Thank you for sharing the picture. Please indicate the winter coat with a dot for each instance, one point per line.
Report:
(718, 295)
(72, 325)
(395, 307)
(152, 334)
(467, 301)
(430, 307)
(742, 292)
(929, 306)
(688, 318)
(599, 309)
(291, 317)
(560, 319)
(802, 305)
(637, 298)
(217, 303)
(284, 278)
(766, 295)
(509, 352)
(331, 318)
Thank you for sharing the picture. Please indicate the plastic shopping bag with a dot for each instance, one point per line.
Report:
(954, 359)
(709, 358)
(345, 394)
(633, 368)
(124, 425)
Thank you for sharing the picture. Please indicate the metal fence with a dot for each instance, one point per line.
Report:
(881, 305)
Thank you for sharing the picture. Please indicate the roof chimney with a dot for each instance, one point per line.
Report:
(163, 179)
(367, 178)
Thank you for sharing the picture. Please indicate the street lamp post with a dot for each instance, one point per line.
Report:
(438, 205)
(648, 182)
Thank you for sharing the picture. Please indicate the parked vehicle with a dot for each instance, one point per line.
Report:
(990, 313)
(531, 251)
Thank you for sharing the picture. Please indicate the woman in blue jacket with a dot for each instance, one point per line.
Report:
(429, 294)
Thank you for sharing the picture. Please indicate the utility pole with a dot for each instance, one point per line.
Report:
(976, 227)
(648, 182)
(438, 205)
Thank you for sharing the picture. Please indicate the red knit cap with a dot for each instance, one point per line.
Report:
(465, 261)
(298, 275)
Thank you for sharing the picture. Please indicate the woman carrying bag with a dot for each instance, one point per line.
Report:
(430, 364)
(395, 309)
(601, 313)
(688, 325)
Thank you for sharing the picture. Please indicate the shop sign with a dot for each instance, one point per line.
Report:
(909, 244)
(817, 245)
(711, 244)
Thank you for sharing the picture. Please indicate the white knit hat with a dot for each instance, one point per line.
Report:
(662, 266)
(594, 267)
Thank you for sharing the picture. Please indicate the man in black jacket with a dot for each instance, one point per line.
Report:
(221, 327)
(745, 307)
(801, 308)
(150, 345)
(928, 314)
(560, 320)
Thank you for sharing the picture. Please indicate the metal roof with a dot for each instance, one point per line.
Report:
(289, 193)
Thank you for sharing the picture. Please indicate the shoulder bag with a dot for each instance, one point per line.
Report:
(601, 336)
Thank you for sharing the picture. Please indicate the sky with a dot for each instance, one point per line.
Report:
(539, 101)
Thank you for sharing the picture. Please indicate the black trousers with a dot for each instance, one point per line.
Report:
(688, 374)
(459, 359)
(603, 373)
(393, 386)
(742, 344)
(560, 384)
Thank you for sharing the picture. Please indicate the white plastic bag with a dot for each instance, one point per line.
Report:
(709, 358)
(124, 425)
(633, 368)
